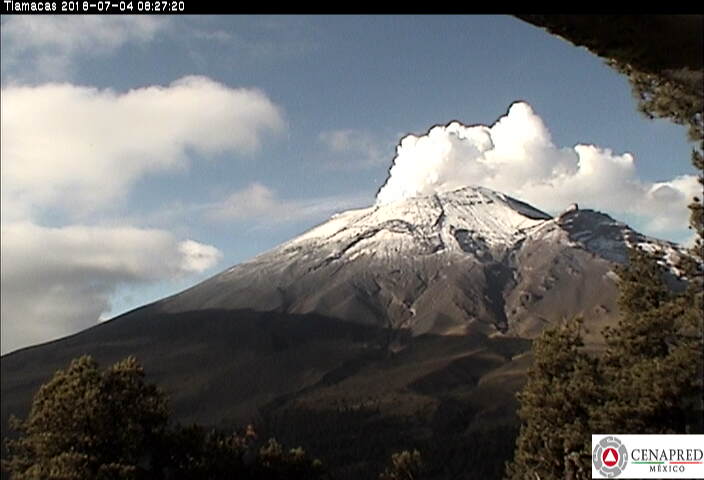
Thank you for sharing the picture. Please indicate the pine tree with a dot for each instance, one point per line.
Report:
(556, 405)
(277, 463)
(652, 364)
(650, 377)
(661, 343)
(90, 424)
(404, 465)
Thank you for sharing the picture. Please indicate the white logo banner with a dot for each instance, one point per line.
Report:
(647, 456)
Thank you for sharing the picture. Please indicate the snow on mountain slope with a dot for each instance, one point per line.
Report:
(601, 235)
(454, 284)
(430, 224)
(450, 262)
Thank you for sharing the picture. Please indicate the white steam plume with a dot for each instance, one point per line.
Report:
(516, 156)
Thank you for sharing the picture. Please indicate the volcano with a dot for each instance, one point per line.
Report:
(470, 260)
(405, 323)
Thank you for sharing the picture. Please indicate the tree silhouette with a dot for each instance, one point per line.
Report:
(556, 405)
(86, 423)
(649, 379)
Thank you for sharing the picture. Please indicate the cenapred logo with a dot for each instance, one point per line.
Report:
(610, 457)
(647, 456)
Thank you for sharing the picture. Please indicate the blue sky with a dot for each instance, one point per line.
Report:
(143, 154)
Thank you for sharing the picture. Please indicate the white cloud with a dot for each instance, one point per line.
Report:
(80, 149)
(57, 281)
(45, 47)
(352, 148)
(260, 204)
(516, 156)
(197, 257)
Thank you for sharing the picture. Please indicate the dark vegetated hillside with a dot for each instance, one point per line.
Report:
(335, 388)
(399, 326)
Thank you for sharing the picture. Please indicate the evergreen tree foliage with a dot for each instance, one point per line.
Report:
(555, 410)
(675, 95)
(405, 465)
(649, 379)
(86, 423)
(277, 463)
(198, 454)
(653, 360)
(671, 359)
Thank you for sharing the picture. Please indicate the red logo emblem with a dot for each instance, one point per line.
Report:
(610, 457)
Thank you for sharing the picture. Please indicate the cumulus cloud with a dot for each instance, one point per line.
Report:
(78, 151)
(197, 257)
(80, 148)
(516, 156)
(45, 47)
(57, 281)
(260, 204)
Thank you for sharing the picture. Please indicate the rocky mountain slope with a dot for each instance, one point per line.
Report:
(404, 323)
(466, 260)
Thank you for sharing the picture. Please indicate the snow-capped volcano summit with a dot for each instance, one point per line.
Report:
(411, 303)
(446, 263)
(468, 219)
